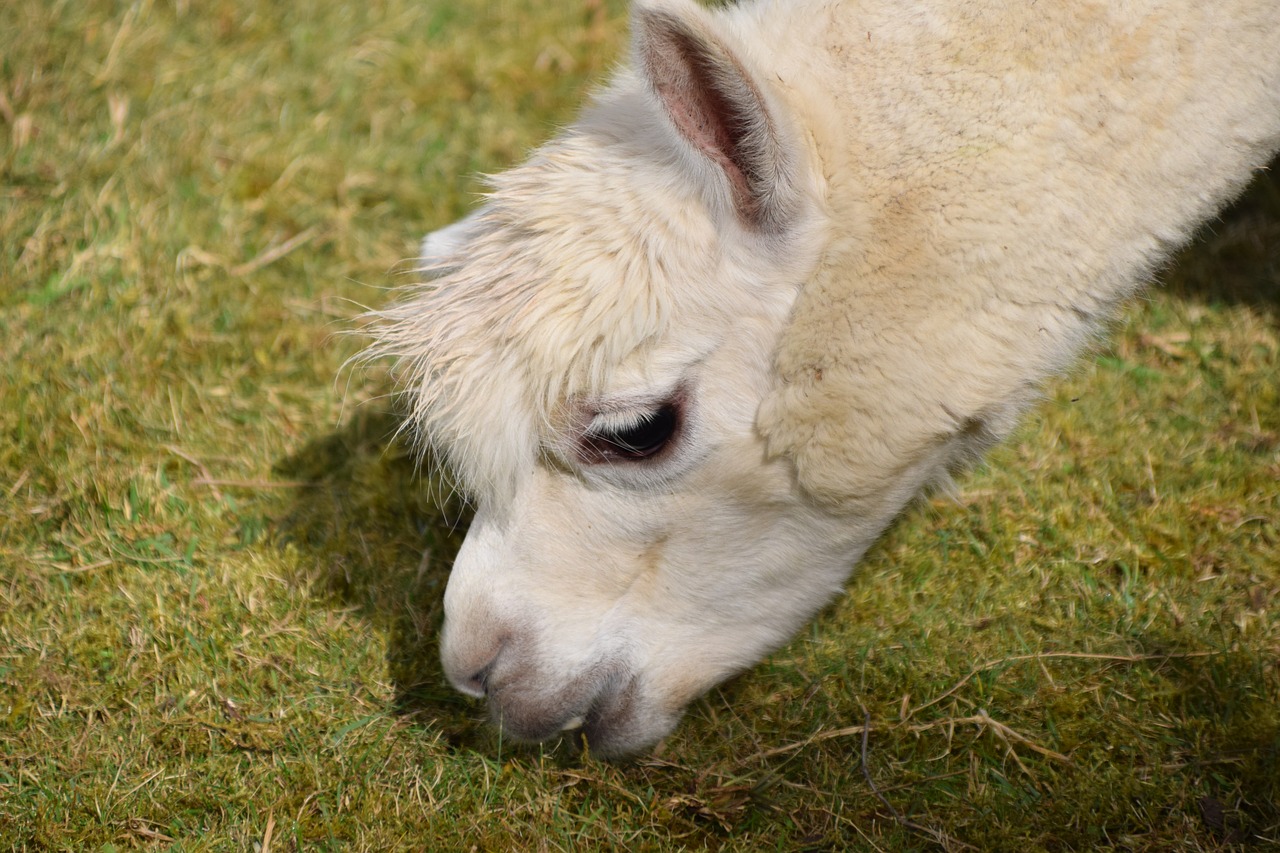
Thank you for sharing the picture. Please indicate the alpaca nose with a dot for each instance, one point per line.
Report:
(477, 684)
(469, 666)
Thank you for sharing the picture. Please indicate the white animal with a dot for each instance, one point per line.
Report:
(796, 264)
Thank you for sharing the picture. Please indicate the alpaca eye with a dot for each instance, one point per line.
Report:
(640, 440)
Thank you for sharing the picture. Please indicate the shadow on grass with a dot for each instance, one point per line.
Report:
(1230, 728)
(1235, 259)
(378, 538)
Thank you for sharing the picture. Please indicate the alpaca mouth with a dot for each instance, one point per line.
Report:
(605, 717)
(611, 726)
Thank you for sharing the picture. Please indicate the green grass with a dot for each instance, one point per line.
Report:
(216, 619)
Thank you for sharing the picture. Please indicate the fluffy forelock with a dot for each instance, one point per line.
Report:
(563, 277)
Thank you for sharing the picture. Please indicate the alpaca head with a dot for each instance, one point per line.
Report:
(694, 356)
(589, 359)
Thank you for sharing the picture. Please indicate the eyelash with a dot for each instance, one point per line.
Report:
(643, 440)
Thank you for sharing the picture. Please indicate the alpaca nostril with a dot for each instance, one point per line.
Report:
(471, 671)
(480, 681)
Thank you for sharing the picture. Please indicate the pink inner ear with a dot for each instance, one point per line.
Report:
(686, 80)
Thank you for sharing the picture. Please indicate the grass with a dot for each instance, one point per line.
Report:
(216, 616)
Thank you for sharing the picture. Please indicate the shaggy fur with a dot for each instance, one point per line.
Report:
(847, 242)
(1014, 171)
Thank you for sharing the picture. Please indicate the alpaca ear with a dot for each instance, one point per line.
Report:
(717, 108)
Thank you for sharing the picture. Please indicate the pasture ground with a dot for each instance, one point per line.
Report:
(216, 616)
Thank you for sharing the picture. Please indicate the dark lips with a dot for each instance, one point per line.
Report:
(600, 702)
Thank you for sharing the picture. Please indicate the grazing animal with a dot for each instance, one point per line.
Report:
(790, 268)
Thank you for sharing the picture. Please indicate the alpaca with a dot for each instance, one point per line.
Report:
(794, 265)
